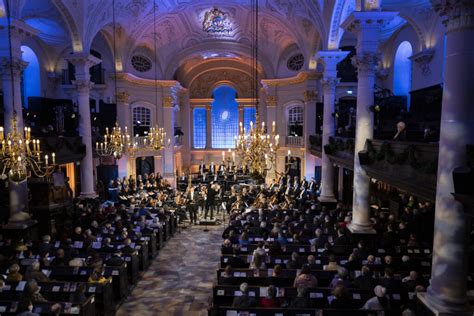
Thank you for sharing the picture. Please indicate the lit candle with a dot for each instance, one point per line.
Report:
(38, 143)
(273, 127)
(1, 132)
(107, 131)
(54, 158)
(233, 156)
(223, 155)
(96, 145)
(289, 153)
(46, 159)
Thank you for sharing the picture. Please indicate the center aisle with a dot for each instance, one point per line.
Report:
(179, 281)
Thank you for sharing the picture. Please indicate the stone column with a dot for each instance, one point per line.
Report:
(330, 59)
(208, 127)
(168, 151)
(11, 69)
(367, 26)
(271, 103)
(340, 184)
(187, 130)
(82, 63)
(310, 97)
(447, 292)
(124, 118)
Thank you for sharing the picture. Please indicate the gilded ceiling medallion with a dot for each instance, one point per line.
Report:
(216, 21)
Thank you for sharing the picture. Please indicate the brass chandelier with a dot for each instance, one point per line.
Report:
(20, 155)
(257, 148)
(116, 143)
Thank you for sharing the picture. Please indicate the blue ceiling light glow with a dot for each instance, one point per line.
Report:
(402, 71)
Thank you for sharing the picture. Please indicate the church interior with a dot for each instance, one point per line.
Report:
(237, 158)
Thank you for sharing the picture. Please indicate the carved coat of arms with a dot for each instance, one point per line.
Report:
(216, 21)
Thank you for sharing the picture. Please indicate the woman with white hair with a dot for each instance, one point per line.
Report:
(380, 301)
(244, 300)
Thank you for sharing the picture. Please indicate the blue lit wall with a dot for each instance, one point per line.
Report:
(402, 71)
(225, 117)
(31, 75)
(249, 116)
(199, 128)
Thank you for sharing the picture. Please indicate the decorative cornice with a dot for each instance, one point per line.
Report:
(310, 95)
(82, 86)
(360, 20)
(83, 60)
(366, 61)
(330, 83)
(271, 100)
(17, 65)
(123, 97)
(330, 59)
(148, 82)
(299, 78)
(423, 59)
(459, 14)
(168, 102)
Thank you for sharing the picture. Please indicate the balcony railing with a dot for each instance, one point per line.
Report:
(294, 141)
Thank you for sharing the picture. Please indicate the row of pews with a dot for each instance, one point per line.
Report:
(103, 298)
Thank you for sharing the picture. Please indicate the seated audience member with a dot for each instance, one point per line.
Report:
(14, 274)
(341, 298)
(301, 300)
(56, 309)
(236, 262)
(388, 280)
(380, 301)
(411, 282)
(293, 264)
(25, 308)
(76, 262)
(97, 276)
(257, 262)
(33, 272)
(244, 300)
(227, 278)
(227, 248)
(275, 279)
(341, 278)
(341, 239)
(332, 264)
(78, 297)
(32, 292)
(361, 252)
(401, 134)
(352, 263)
(127, 249)
(312, 262)
(305, 279)
(365, 281)
(270, 301)
(59, 259)
(115, 260)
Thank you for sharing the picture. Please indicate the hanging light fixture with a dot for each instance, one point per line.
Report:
(257, 148)
(116, 143)
(156, 138)
(20, 155)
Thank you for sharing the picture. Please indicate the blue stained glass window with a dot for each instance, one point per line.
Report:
(225, 117)
(199, 132)
(249, 116)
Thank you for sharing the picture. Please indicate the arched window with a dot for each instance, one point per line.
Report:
(249, 116)
(225, 117)
(141, 120)
(402, 71)
(199, 128)
(295, 121)
(31, 76)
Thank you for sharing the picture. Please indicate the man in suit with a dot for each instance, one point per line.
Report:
(45, 246)
(116, 259)
(341, 239)
(244, 300)
(127, 248)
(210, 201)
(202, 167)
(192, 205)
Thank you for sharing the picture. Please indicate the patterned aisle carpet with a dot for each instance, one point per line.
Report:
(179, 281)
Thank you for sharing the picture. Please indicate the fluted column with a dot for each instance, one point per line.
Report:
(83, 86)
(168, 151)
(330, 59)
(125, 120)
(208, 127)
(447, 292)
(367, 26)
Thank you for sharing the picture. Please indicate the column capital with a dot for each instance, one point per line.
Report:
(271, 100)
(310, 95)
(83, 61)
(459, 14)
(366, 61)
(330, 83)
(18, 28)
(123, 97)
(17, 65)
(83, 86)
(331, 58)
(358, 21)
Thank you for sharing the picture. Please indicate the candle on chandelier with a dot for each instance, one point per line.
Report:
(273, 127)
(96, 145)
(1, 133)
(46, 159)
(289, 153)
(223, 155)
(54, 158)
(106, 131)
(233, 156)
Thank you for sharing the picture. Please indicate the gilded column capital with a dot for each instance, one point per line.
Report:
(309, 96)
(123, 97)
(168, 102)
(459, 14)
(271, 100)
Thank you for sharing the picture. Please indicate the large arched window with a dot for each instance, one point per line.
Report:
(295, 120)
(225, 117)
(402, 71)
(31, 76)
(141, 120)
(199, 128)
(249, 116)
